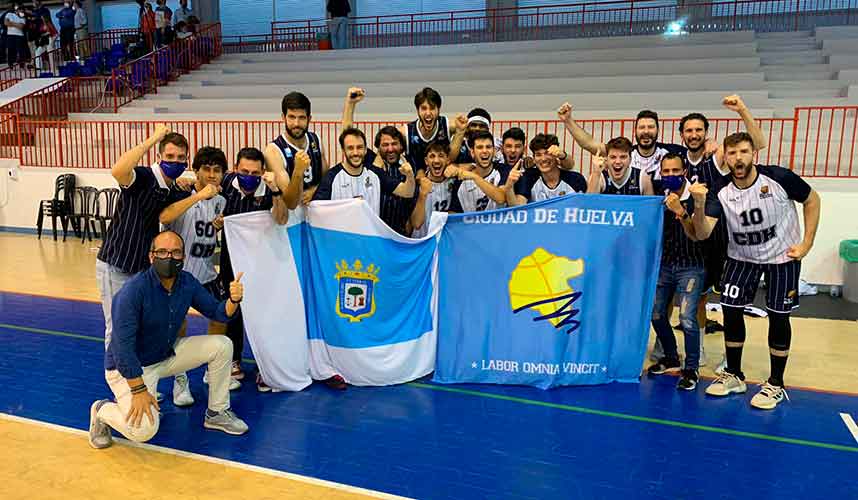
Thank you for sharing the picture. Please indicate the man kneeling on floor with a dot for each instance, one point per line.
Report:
(148, 312)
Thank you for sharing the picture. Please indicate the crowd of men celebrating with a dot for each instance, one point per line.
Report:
(727, 222)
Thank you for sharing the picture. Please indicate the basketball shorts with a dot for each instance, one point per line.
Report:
(215, 287)
(741, 280)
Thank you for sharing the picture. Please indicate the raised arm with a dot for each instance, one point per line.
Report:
(458, 137)
(594, 180)
(174, 211)
(418, 215)
(703, 224)
(582, 138)
(671, 201)
(735, 103)
(405, 189)
(123, 169)
(353, 96)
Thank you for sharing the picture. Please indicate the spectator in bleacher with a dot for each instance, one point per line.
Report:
(15, 40)
(182, 31)
(81, 27)
(183, 13)
(66, 20)
(163, 15)
(47, 34)
(338, 11)
(147, 25)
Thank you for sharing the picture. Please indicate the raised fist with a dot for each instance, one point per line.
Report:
(209, 191)
(355, 94)
(564, 112)
(406, 170)
(302, 161)
(698, 192)
(733, 103)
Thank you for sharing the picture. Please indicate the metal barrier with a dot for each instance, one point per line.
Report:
(817, 142)
(50, 61)
(572, 20)
(144, 75)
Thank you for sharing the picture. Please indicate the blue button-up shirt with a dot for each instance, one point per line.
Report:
(147, 318)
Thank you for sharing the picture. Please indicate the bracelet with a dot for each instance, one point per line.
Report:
(234, 302)
(137, 389)
(276, 193)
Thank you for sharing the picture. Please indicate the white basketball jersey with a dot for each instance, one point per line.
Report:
(437, 201)
(196, 228)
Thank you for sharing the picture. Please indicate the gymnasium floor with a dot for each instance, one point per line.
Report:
(418, 440)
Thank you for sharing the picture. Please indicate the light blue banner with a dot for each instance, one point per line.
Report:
(554, 293)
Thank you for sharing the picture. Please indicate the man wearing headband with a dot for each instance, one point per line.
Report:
(647, 152)
(249, 188)
(478, 120)
(145, 192)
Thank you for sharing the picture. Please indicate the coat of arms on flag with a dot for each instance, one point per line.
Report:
(355, 293)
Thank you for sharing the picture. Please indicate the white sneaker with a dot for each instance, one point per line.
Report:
(99, 432)
(181, 391)
(769, 397)
(234, 384)
(726, 384)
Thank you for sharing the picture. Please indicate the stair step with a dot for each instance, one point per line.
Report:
(785, 34)
(787, 47)
(808, 93)
(806, 84)
(795, 58)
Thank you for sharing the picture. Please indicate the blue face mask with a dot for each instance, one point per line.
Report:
(672, 182)
(249, 183)
(173, 169)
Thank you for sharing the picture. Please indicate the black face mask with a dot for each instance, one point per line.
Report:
(167, 268)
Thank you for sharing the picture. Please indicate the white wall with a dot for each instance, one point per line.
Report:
(19, 202)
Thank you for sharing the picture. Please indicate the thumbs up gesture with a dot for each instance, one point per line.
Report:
(236, 289)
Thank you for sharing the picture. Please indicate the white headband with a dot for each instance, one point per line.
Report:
(481, 119)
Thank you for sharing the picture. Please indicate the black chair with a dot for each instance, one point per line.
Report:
(86, 201)
(61, 205)
(106, 206)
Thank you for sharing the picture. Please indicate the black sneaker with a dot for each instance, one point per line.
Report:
(688, 380)
(664, 365)
(713, 326)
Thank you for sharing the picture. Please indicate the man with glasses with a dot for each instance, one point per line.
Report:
(148, 312)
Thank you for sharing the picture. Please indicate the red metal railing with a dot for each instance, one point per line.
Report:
(144, 75)
(823, 141)
(582, 19)
(50, 61)
(816, 142)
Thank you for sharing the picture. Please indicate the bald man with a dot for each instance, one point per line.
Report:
(148, 312)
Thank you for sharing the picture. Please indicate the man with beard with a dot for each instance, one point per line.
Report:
(486, 190)
(512, 148)
(708, 169)
(353, 179)
(614, 174)
(647, 152)
(429, 127)
(478, 120)
(280, 154)
(681, 276)
(145, 191)
(547, 180)
(757, 205)
(436, 188)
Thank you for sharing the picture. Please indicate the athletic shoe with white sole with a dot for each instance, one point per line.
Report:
(99, 432)
(182, 391)
(726, 384)
(769, 397)
(225, 421)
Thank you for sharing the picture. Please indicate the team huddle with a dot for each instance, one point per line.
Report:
(728, 222)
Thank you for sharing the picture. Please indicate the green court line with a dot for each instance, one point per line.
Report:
(58, 333)
(635, 418)
(533, 402)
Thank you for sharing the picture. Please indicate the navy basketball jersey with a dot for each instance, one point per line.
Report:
(417, 144)
(313, 175)
(631, 185)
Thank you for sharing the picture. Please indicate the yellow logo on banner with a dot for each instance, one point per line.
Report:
(540, 282)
